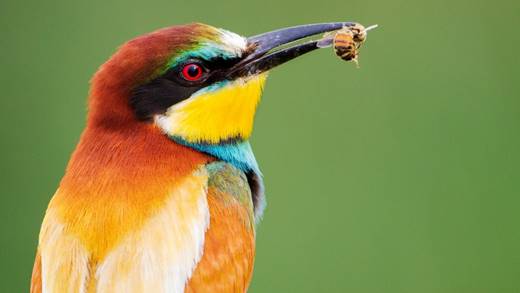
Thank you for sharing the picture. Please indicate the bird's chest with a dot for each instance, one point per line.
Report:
(133, 245)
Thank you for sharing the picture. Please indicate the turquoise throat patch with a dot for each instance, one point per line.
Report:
(237, 153)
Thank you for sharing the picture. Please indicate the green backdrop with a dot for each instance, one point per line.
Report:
(400, 176)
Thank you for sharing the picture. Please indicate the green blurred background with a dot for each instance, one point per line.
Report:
(400, 176)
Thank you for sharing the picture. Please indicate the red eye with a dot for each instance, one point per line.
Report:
(192, 72)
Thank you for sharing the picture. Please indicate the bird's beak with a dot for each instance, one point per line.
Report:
(266, 53)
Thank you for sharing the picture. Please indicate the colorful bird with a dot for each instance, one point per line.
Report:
(163, 192)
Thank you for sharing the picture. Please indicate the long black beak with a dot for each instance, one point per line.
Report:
(264, 55)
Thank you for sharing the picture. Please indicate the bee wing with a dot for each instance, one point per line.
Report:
(326, 41)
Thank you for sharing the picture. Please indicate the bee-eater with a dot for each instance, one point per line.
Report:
(163, 192)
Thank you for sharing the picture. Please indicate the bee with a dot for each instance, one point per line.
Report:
(345, 45)
(346, 41)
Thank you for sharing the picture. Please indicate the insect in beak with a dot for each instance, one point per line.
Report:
(346, 41)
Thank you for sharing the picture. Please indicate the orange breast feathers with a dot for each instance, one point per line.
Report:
(133, 216)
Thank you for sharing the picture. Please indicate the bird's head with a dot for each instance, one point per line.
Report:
(195, 82)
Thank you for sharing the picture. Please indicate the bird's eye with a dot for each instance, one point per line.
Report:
(192, 72)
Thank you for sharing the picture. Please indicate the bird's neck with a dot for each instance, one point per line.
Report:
(238, 153)
(234, 151)
(135, 153)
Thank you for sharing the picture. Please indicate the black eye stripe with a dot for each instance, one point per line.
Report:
(157, 95)
(223, 63)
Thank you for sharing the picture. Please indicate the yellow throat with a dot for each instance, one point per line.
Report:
(212, 116)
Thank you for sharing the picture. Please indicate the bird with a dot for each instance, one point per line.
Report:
(163, 192)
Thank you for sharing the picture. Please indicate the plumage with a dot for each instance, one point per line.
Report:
(229, 249)
(226, 113)
(163, 191)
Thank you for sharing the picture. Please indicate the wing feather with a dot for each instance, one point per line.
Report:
(229, 247)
